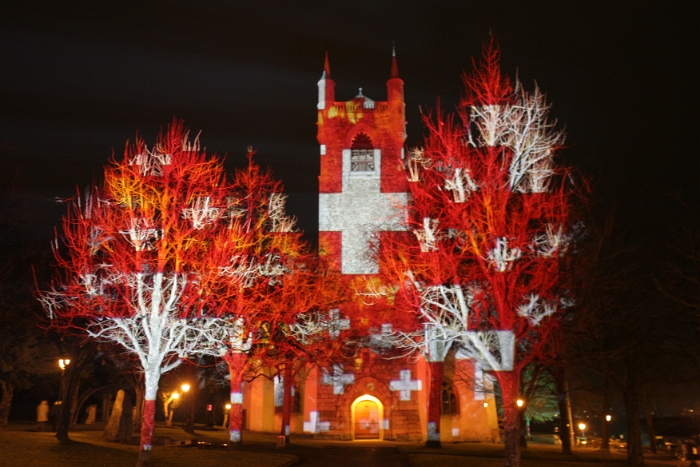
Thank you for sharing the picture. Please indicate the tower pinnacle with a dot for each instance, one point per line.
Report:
(394, 66)
(326, 68)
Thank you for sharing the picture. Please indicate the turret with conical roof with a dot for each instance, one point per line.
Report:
(394, 91)
(326, 86)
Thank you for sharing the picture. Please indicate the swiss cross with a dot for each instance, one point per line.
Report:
(405, 384)
(335, 324)
(338, 379)
(359, 212)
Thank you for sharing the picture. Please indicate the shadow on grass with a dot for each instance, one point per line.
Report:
(491, 455)
(89, 449)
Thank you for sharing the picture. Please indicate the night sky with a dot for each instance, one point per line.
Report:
(79, 79)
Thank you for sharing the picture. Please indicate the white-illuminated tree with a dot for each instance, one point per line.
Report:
(491, 229)
(136, 255)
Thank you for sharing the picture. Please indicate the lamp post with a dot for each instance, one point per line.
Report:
(524, 430)
(582, 427)
(169, 411)
(226, 415)
(605, 432)
(189, 421)
(62, 364)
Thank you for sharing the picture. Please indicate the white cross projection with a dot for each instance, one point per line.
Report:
(335, 324)
(358, 213)
(338, 379)
(405, 385)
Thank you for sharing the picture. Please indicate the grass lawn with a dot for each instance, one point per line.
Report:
(26, 448)
(491, 455)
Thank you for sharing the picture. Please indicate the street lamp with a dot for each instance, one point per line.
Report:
(520, 403)
(189, 420)
(582, 427)
(173, 397)
(226, 415)
(608, 418)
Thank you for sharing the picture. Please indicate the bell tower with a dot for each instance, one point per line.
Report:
(362, 185)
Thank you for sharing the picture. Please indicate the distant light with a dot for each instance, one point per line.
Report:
(608, 417)
(185, 387)
(63, 363)
(176, 395)
(228, 406)
(581, 426)
(486, 404)
(520, 402)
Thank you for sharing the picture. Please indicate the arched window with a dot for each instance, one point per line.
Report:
(362, 154)
(449, 400)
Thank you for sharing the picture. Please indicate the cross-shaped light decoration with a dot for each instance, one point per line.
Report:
(359, 212)
(338, 379)
(405, 385)
(335, 324)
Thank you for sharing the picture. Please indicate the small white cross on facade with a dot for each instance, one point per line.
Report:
(335, 324)
(405, 385)
(339, 379)
(360, 211)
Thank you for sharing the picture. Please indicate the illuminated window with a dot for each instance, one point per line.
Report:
(449, 400)
(362, 154)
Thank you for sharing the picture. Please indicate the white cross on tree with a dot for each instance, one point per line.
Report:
(335, 324)
(339, 379)
(405, 385)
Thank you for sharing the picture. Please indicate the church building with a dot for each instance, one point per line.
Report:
(362, 191)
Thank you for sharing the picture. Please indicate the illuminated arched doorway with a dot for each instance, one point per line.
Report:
(367, 418)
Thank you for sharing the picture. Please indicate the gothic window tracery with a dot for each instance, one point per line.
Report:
(362, 154)
(448, 404)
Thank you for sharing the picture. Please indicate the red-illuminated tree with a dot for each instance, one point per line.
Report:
(266, 279)
(311, 337)
(137, 258)
(491, 225)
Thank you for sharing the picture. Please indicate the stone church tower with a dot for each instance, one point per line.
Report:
(362, 193)
(362, 187)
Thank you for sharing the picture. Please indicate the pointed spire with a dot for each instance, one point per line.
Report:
(326, 68)
(394, 66)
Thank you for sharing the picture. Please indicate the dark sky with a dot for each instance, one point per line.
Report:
(80, 78)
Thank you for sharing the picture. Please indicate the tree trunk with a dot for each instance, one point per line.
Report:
(437, 373)
(635, 455)
(287, 405)
(106, 405)
(191, 399)
(8, 391)
(139, 403)
(524, 428)
(75, 405)
(148, 424)
(68, 387)
(236, 363)
(510, 385)
(650, 422)
(563, 403)
(126, 421)
(604, 423)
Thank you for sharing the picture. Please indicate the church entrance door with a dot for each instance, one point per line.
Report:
(367, 420)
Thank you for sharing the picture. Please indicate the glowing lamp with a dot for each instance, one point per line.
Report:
(228, 406)
(608, 418)
(185, 387)
(63, 363)
(520, 403)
